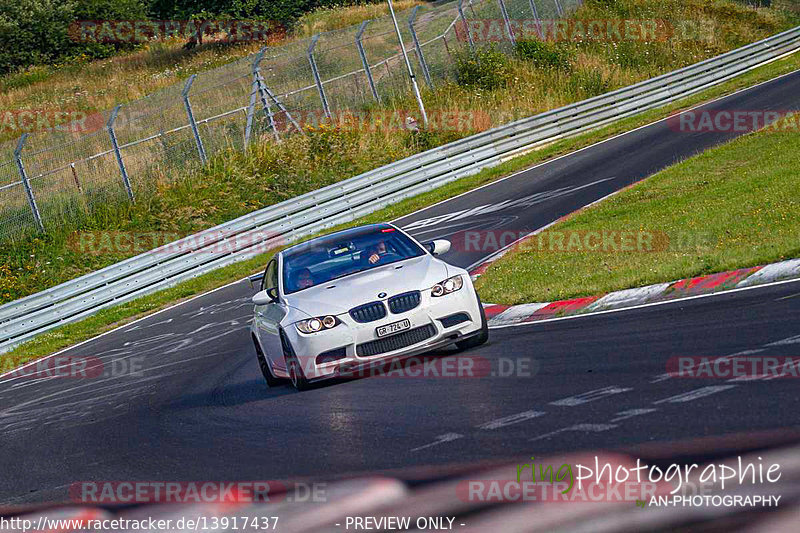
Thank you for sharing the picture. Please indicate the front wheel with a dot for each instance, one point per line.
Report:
(479, 338)
(293, 366)
(271, 380)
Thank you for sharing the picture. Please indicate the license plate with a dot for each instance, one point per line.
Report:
(388, 329)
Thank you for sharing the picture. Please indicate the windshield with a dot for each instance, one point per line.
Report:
(343, 254)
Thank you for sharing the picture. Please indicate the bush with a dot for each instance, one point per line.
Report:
(37, 31)
(32, 31)
(487, 68)
(544, 54)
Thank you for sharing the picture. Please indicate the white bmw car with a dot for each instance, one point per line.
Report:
(343, 302)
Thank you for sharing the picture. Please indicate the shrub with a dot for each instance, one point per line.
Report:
(544, 54)
(487, 68)
(37, 31)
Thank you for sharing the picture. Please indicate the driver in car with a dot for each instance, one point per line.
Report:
(376, 252)
(303, 279)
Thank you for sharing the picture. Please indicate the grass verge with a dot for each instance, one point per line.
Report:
(733, 206)
(110, 318)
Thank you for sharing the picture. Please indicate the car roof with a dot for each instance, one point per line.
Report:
(351, 233)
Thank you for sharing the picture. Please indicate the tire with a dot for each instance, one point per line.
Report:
(293, 366)
(479, 338)
(271, 380)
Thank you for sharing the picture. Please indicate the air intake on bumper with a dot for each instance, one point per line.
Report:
(396, 342)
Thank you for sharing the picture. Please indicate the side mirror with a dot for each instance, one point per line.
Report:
(266, 297)
(255, 278)
(439, 246)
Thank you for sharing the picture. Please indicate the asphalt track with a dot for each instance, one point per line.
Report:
(182, 397)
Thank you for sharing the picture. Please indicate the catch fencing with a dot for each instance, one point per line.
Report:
(252, 234)
(54, 178)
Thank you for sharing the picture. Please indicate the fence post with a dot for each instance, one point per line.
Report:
(251, 107)
(466, 26)
(117, 153)
(364, 61)
(536, 18)
(255, 94)
(507, 21)
(559, 9)
(278, 103)
(425, 72)
(411, 76)
(185, 94)
(25, 183)
(315, 72)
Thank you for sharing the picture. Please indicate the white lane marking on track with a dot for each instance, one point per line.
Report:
(490, 184)
(787, 341)
(630, 413)
(642, 306)
(580, 428)
(440, 439)
(139, 328)
(695, 394)
(586, 397)
(526, 201)
(788, 297)
(117, 329)
(511, 420)
(668, 375)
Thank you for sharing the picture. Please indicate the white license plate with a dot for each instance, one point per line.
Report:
(388, 329)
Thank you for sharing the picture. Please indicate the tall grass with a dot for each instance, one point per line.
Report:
(98, 85)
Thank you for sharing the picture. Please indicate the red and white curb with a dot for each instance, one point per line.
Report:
(502, 315)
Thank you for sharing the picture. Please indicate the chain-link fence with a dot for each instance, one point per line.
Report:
(53, 178)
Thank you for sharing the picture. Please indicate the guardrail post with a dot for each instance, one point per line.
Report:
(315, 72)
(535, 13)
(425, 72)
(559, 9)
(364, 61)
(25, 183)
(117, 153)
(198, 141)
(507, 21)
(466, 26)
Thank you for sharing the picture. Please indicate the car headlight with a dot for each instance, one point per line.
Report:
(447, 286)
(313, 325)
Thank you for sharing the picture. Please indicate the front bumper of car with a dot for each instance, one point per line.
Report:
(353, 343)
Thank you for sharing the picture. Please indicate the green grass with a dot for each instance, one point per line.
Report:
(113, 317)
(734, 206)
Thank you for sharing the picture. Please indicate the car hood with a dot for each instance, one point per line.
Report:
(341, 295)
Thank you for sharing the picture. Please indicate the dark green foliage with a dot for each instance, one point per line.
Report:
(38, 31)
(487, 68)
(544, 54)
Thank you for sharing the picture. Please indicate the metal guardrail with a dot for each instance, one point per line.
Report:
(252, 234)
